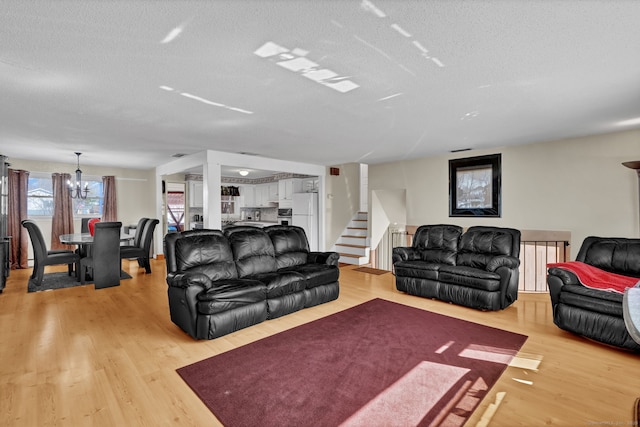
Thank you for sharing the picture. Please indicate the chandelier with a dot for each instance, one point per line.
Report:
(76, 191)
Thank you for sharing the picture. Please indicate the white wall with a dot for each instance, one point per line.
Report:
(387, 208)
(343, 200)
(577, 185)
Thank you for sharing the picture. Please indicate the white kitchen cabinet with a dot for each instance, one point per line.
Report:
(262, 195)
(272, 192)
(259, 195)
(247, 196)
(286, 188)
(266, 194)
(196, 195)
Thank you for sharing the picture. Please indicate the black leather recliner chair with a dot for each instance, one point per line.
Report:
(593, 313)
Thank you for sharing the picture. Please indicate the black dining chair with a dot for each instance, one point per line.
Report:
(138, 234)
(84, 225)
(142, 251)
(43, 257)
(104, 260)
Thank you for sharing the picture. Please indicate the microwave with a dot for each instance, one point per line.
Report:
(285, 212)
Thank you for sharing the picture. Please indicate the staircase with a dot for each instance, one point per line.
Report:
(352, 244)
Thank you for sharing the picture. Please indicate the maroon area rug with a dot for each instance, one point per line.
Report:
(378, 363)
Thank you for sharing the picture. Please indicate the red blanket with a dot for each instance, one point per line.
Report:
(595, 278)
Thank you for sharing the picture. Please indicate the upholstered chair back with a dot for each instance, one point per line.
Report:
(105, 254)
(202, 251)
(252, 250)
(437, 243)
(137, 240)
(613, 254)
(37, 239)
(290, 245)
(479, 245)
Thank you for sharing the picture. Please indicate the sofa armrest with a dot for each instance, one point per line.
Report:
(404, 253)
(329, 258)
(502, 261)
(566, 277)
(185, 280)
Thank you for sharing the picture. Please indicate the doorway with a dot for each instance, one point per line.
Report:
(175, 207)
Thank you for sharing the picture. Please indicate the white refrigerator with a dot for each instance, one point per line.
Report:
(305, 214)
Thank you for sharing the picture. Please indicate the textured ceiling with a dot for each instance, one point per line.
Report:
(130, 83)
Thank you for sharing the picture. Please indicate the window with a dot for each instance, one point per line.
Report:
(228, 204)
(92, 205)
(40, 197)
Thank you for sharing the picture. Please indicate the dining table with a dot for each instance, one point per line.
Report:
(85, 240)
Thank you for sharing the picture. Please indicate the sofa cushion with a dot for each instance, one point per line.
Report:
(596, 305)
(417, 269)
(471, 277)
(290, 245)
(229, 294)
(620, 256)
(208, 254)
(439, 256)
(281, 283)
(478, 247)
(440, 236)
(252, 251)
(315, 274)
(579, 289)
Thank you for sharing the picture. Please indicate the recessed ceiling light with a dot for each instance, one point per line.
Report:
(243, 172)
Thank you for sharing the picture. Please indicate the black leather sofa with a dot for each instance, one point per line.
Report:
(220, 282)
(477, 268)
(594, 313)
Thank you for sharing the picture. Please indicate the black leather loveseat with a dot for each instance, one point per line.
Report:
(220, 282)
(477, 268)
(595, 313)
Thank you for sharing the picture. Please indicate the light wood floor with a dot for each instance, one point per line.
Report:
(80, 356)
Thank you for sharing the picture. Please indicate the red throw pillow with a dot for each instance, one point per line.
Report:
(92, 224)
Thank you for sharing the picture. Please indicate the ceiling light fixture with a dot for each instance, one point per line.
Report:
(76, 190)
(243, 172)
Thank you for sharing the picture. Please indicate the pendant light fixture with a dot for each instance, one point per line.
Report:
(76, 190)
